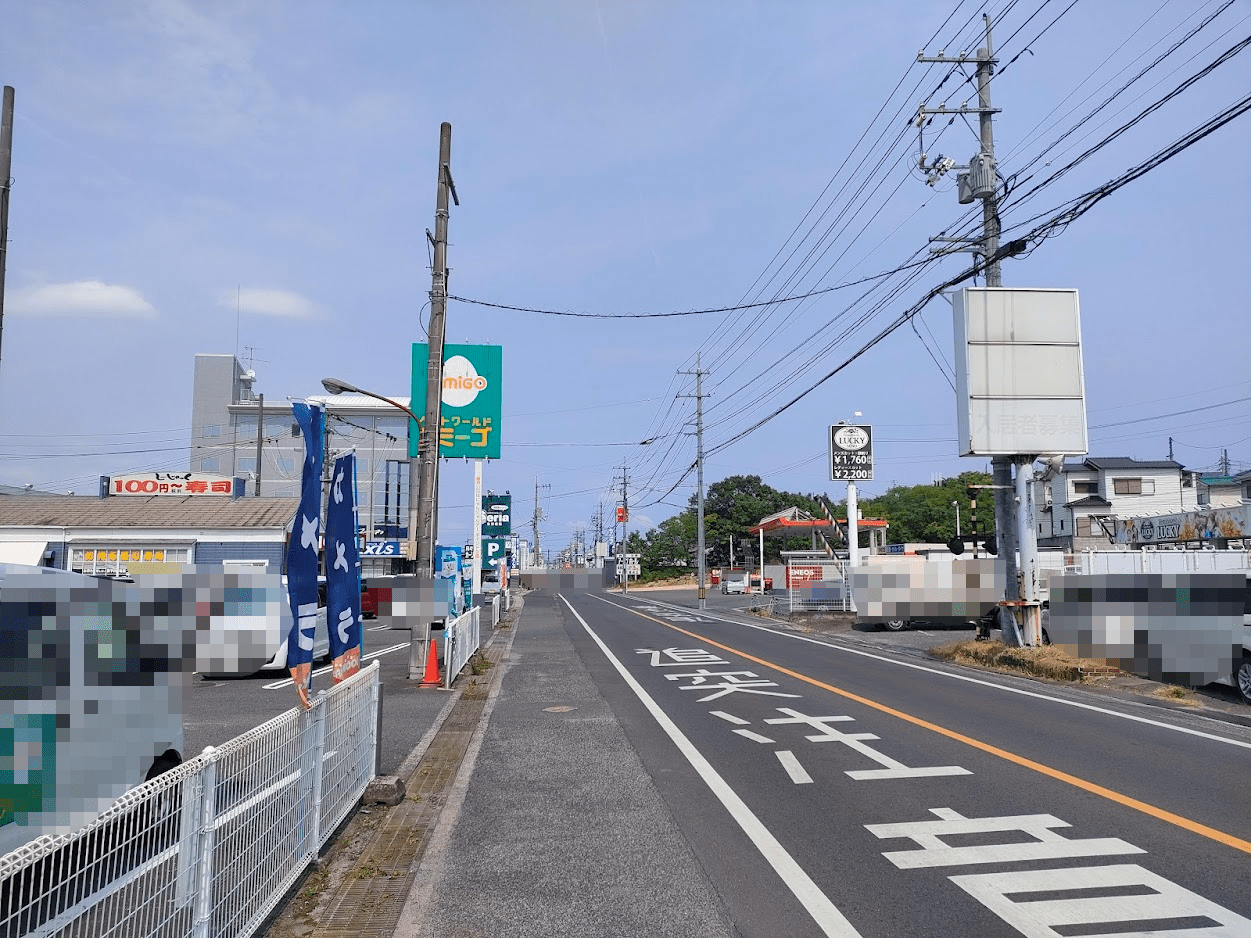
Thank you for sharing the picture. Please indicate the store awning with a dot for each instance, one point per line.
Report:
(28, 553)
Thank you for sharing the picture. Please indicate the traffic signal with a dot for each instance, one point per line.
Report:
(990, 545)
(622, 514)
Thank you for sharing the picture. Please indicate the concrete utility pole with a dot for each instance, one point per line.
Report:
(423, 473)
(625, 528)
(988, 247)
(260, 438)
(6, 166)
(538, 516)
(699, 396)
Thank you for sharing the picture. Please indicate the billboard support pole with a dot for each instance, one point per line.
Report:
(1030, 618)
(476, 588)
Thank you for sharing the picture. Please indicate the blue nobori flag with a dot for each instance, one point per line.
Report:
(302, 553)
(343, 570)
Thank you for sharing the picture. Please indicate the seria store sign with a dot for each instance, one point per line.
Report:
(171, 483)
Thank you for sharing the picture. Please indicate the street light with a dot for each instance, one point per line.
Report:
(339, 386)
(956, 506)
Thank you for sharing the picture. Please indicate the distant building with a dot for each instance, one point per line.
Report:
(1075, 505)
(1223, 491)
(226, 419)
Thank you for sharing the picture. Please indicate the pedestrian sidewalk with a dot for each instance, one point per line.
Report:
(553, 826)
(527, 813)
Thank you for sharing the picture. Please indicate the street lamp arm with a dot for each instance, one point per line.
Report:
(336, 386)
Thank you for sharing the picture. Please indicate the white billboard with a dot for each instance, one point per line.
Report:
(1019, 383)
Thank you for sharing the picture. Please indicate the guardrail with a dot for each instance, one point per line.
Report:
(210, 847)
(463, 635)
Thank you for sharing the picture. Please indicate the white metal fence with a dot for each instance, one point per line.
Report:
(1052, 563)
(463, 636)
(208, 849)
(817, 585)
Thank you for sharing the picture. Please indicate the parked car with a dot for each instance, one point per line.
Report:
(734, 581)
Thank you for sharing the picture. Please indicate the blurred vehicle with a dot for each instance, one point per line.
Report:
(93, 699)
(369, 601)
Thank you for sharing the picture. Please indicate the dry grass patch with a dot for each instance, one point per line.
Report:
(1173, 692)
(1048, 661)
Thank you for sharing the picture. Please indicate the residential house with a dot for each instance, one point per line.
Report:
(1071, 503)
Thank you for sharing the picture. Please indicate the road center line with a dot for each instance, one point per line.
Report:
(1159, 813)
(970, 680)
(818, 905)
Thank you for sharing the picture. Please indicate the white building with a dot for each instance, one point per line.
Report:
(1072, 503)
(227, 418)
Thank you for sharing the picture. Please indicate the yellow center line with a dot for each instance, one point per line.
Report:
(1159, 813)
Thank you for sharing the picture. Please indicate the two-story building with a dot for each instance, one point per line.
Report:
(1075, 505)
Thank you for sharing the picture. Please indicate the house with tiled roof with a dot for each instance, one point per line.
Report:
(1075, 505)
(105, 535)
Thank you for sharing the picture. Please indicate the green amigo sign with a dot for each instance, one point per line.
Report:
(472, 401)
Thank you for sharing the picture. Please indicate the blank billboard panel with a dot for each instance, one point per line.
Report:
(1019, 381)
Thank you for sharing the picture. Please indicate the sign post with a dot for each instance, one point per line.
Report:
(476, 591)
(1020, 393)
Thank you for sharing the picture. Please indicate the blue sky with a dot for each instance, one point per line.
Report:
(174, 161)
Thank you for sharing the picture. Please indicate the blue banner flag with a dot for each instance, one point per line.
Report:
(302, 553)
(343, 570)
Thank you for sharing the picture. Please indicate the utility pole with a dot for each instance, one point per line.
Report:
(538, 516)
(988, 248)
(625, 528)
(260, 438)
(6, 166)
(699, 396)
(423, 472)
(423, 517)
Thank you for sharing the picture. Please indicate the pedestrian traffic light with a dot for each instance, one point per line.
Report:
(622, 514)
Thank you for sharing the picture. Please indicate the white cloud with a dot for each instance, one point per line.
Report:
(81, 298)
(282, 303)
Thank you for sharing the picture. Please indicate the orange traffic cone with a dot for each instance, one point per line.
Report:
(431, 677)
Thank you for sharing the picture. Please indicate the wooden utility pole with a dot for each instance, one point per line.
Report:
(423, 516)
(6, 166)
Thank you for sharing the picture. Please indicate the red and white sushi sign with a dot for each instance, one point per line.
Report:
(171, 483)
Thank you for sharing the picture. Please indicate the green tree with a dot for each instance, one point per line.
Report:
(672, 543)
(924, 513)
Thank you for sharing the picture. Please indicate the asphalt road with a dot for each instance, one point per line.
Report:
(827, 789)
(221, 709)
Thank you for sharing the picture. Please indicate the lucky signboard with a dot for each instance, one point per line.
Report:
(851, 453)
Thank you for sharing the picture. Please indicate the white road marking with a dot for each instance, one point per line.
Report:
(754, 737)
(974, 680)
(287, 682)
(793, 768)
(823, 911)
(1006, 894)
(1045, 845)
(729, 717)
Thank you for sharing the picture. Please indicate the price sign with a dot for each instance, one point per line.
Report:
(851, 453)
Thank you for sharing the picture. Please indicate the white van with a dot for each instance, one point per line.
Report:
(253, 635)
